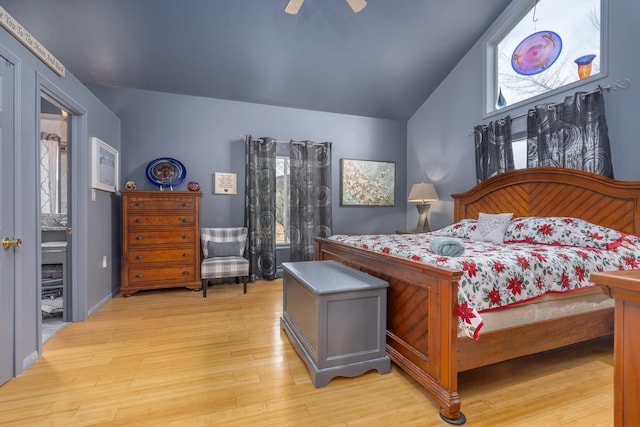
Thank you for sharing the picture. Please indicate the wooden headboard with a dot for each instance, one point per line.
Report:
(555, 192)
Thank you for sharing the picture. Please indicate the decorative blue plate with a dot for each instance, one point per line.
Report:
(536, 53)
(166, 172)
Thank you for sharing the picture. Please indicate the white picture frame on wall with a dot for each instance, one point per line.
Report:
(104, 166)
(225, 183)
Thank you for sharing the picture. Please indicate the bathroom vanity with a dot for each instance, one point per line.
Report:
(54, 265)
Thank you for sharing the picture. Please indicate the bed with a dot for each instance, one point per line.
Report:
(422, 320)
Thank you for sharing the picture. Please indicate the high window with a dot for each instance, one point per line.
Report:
(544, 46)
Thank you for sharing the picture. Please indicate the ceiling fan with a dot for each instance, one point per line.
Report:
(294, 6)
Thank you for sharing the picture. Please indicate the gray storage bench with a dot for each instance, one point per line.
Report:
(335, 318)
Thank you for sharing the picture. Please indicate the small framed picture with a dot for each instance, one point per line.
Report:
(104, 163)
(225, 183)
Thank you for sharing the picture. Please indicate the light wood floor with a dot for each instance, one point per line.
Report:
(172, 358)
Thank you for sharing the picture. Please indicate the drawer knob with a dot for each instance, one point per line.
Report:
(186, 205)
(185, 236)
(139, 276)
(139, 204)
(138, 220)
(138, 237)
(138, 256)
(185, 273)
(185, 220)
(185, 254)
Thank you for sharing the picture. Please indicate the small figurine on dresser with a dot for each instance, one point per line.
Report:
(130, 185)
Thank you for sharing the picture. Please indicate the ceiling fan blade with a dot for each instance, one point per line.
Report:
(357, 5)
(293, 7)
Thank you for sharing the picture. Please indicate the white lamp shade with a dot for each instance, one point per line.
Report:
(423, 192)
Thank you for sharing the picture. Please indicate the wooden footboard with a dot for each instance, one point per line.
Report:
(421, 318)
(422, 324)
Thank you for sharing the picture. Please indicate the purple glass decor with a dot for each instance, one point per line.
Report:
(536, 53)
(584, 65)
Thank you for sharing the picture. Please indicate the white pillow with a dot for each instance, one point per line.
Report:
(491, 227)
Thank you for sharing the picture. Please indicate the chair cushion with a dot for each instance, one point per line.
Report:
(230, 266)
(223, 235)
(223, 249)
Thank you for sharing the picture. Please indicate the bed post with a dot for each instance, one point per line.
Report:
(449, 350)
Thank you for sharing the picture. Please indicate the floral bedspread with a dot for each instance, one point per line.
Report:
(502, 275)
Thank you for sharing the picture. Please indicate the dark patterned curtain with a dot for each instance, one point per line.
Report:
(494, 154)
(310, 200)
(260, 206)
(572, 134)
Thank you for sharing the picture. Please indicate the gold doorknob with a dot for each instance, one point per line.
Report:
(7, 242)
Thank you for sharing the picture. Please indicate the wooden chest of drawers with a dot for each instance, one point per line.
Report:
(160, 240)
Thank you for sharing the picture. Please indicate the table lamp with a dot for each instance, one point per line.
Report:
(423, 193)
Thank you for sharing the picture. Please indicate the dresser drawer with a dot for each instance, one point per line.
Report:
(175, 274)
(155, 237)
(142, 256)
(174, 204)
(186, 220)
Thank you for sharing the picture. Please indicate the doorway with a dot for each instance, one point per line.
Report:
(55, 215)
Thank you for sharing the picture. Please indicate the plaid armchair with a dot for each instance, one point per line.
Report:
(223, 255)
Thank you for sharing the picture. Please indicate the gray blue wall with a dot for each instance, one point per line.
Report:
(439, 148)
(95, 233)
(205, 135)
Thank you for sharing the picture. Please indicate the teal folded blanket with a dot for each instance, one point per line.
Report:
(446, 246)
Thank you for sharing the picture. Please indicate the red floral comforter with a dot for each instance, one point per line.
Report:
(500, 275)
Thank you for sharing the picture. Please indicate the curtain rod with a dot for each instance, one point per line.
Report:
(244, 139)
(618, 84)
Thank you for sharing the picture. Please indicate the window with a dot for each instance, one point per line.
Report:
(519, 146)
(282, 200)
(545, 45)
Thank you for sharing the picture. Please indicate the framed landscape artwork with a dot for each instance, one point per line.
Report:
(104, 168)
(367, 183)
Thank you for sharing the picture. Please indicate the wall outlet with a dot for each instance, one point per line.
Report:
(104, 261)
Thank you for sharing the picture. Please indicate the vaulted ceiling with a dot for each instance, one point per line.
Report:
(382, 62)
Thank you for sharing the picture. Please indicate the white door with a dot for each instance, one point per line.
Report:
(7, 229)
